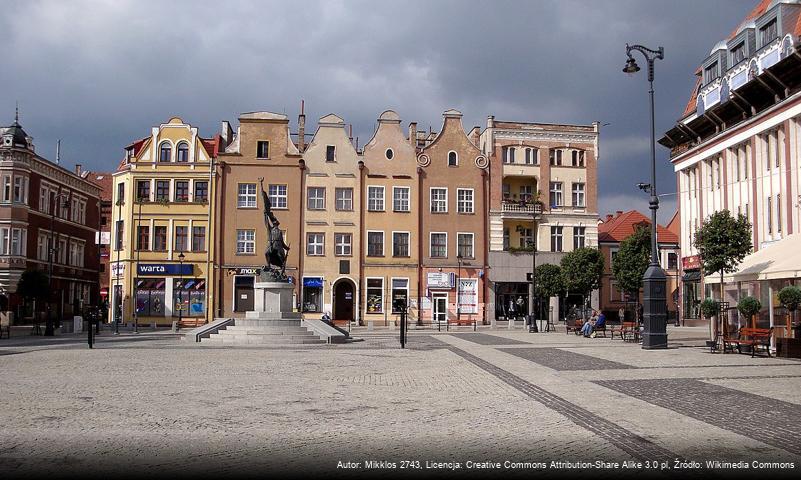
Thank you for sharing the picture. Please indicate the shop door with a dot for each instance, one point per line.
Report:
(440, 305)
(243, 294)
(343, 302)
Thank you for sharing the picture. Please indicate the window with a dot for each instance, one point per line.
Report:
(44, 199)
(767, 33)
(508, 154)
(556, 194)
(344, 199)
(375, 244)
(12, 241)
(389, 154)
(375, 199)
(453, 159)
(532, 155)
(162, 190)
(779, 212)
(62, 250)
(6, 188)
(526, 237)
(400, 199)
(439, 200)
(673, 261)
(143, 191)
(201, 192)
(770, 215)
(506, 191)
(578, 195)
(439, 245)
(464, 200)
(506, 239)
(578, 237)
(342, 244)
(464, 245)
(556, 239)
(400, 244)
(198, 239)
(182, 152)
(711, 72)
(160, 238)
(165, 152)
(120, 194)
(577, 158)
(42, 246)
(315, 199)
(262, 149)
(181, 190)
(312, 294)
(315, 243)
(375, 295)
(143, 237)
(738, 53)
(400, 293)
(246, 196)
(330, 153)
(20, 189)
(181, 237)
(119, 230)
(277, 194)
(245, 242)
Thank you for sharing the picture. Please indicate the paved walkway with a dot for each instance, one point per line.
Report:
(153, 403)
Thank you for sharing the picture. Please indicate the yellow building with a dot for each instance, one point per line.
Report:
(162, 229)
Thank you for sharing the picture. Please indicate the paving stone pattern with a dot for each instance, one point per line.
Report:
(563, 360)
(486, 339)
(765, 419)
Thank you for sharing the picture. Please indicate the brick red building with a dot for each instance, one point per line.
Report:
(106, 183)
(44, 204)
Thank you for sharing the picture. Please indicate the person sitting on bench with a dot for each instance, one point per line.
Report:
(597, 321)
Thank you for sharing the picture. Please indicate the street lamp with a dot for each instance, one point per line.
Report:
(181, 288)
(535, 213)
(654, 280)
(458, 288)
(140, 201)
(49, 327)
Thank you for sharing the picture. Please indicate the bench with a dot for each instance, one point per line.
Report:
(627, 330)
(575, 327)
(599, 330)
(753, 337)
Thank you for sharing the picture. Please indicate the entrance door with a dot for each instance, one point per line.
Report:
(343, 302)
(440, 306)
(243, 294)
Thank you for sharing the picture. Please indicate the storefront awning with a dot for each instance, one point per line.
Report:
(779, 260)
(692, 276)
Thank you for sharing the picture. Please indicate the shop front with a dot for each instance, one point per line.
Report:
(511, 300)
(313, 294)
(450, 297)
(691, 289)
(162, 291)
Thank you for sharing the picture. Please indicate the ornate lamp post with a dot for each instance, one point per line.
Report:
(51, 252)
(535, 311)
(654, 281)
(181, 257)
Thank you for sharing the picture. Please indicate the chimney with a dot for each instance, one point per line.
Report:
(302, 127)
(413, 134)
(490, 121)
(475, 135)
(227, 133)
(609, 217)
(619, 213)
(78, 168)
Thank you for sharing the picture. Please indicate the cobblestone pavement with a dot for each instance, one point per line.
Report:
(153, 404)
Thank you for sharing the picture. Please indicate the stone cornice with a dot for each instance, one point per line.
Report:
(545, 136)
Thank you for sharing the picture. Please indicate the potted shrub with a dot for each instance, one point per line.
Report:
(790, 297)
(710, 308)
(748, 307)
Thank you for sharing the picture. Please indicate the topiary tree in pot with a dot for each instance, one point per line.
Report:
(790, 297)
(709, 309)
(749, 306)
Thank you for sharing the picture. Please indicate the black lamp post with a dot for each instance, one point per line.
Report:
(181, 288)
(654, 280)
(458, 288)
(535, 213)
(51, 251)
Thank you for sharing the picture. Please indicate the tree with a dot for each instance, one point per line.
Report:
(749, 306)
(549, 281)
(723, 242)
(709, 308)
(632, 260)
(582, 270)
(34, 285)
(790, 297)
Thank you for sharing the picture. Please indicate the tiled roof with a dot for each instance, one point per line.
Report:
(620, 226)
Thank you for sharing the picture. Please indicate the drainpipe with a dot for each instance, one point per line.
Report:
(361, 245)
(301, 241)
(209, 265)
(220, 197)
(419, 244)
(485, 176)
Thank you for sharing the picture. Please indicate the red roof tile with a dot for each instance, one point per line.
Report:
(104, 181)
(619, 228)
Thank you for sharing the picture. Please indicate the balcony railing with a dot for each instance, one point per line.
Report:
(521, 206)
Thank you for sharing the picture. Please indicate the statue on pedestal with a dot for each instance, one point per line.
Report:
(275, 254)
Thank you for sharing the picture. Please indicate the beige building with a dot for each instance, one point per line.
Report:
(260, 148)
(391, 223)
(330, 216)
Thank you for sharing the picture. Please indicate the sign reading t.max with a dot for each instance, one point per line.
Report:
(164, 269)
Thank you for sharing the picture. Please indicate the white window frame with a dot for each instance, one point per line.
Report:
(341, 245)
(579, 197)
(315, 202)
(248, 243)
(275, 197)
(367, 293)
(559, 194)
(583, 236)
(376, 208)
(392, 289)
(431, 199)
(431, 244)
(246, 199)
(459, 201)
(448, 158)
(408, 244)
(367, 243)
(395, 199)
(472, 244)
(314, 244)
(349, 199)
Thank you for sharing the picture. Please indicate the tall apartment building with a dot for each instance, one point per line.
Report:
(48, 222)
(260, 148)
(529, 162)
(163, 229)
(105, 181)
(391, 227)
(736, 146)
(331, 223)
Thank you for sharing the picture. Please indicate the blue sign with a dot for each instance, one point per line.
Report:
(313, 282)
(164, 269)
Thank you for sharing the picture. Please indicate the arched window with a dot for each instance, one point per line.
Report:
(182, 152)
(531, 156)
(165, 152)
(453, 159)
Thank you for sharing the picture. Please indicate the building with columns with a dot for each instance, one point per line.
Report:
(551, 163)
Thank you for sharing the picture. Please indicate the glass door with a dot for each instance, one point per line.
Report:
(440, 305)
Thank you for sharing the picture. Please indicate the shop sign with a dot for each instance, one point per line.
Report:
(468, 296)
(314, 282)
(691, 263)
(117, 269)
(164, 269)
(441, 280)
(244, 271)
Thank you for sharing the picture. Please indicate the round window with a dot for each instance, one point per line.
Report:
(389, 154)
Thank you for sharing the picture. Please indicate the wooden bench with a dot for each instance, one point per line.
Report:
(626, 330)
(575, 327)
(753, 337)
(599, 330)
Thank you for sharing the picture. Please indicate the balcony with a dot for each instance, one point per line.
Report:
(521, 206)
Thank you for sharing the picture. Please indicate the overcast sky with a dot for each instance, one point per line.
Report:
(99, 74)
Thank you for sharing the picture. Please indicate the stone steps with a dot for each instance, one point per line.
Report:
(264, 330)
(252, 339)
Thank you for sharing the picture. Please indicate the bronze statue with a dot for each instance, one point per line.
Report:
(277, 250)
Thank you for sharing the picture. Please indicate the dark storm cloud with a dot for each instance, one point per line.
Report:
(99, 74)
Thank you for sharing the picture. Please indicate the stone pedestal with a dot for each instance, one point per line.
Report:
(273, 297)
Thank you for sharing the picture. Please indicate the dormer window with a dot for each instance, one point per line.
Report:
(453, 159)
(768, 33)
(738, 53)
(330, 153)
(262, 149)
(182, 153)
(165, 152)
(711, 72)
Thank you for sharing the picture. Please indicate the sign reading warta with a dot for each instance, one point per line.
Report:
(691, 263)
(164, 269)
